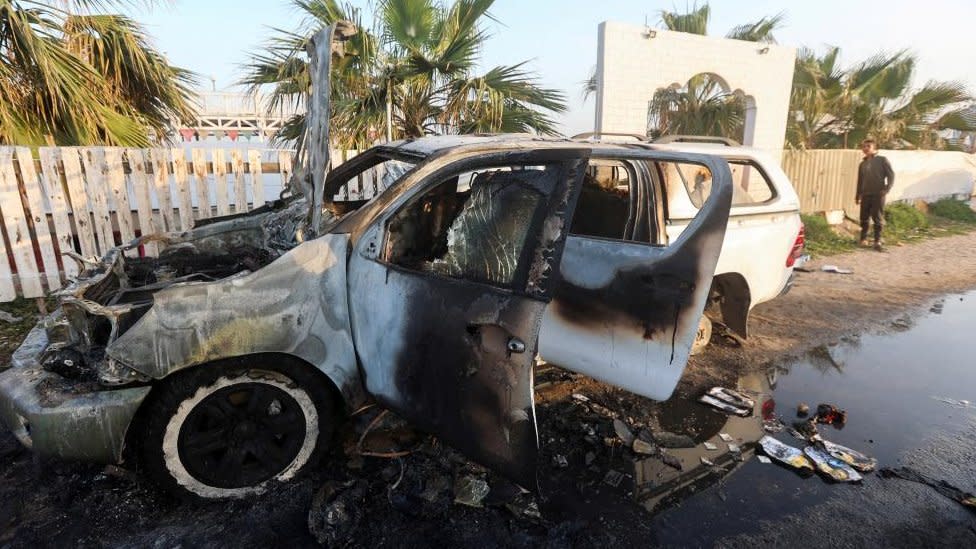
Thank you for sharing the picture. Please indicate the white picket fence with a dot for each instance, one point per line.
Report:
(90, 199)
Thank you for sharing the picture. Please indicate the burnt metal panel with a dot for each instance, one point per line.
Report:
(296, 305)
(444, 352)
(625, 312)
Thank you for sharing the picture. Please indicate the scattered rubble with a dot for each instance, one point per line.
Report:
(831, 467)
(336, 512)
(470, 490)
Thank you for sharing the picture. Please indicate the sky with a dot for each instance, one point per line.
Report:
(558, 37)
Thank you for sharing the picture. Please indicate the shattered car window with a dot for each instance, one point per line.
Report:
(473, 226)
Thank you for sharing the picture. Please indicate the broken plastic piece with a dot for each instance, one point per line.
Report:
(470, 491)
(785, 453)
(724, 406)
(764, 459)
(643, 447)
(710, 446)
(836, 269)
(623, 432)
(706, 461)
(725, 437)
(735, 448)
(830, 466)
(614, 478)
(853, 458)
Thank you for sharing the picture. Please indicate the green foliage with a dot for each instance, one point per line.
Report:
(821, 239)
(952, 209)
(903, 219)
(842, 106)
(83, 78)
(417, 62)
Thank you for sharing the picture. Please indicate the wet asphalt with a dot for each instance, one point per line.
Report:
(900, 391)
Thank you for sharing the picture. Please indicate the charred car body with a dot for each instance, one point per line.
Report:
(227, 362)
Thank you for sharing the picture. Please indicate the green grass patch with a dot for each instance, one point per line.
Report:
(952, 209)
(904, 223)
(821, 239)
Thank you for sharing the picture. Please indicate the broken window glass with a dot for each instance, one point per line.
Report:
(474, 226)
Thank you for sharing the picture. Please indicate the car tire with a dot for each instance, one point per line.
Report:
(230, 431)
(702, 336)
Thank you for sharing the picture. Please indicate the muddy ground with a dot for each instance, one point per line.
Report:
(587, 476)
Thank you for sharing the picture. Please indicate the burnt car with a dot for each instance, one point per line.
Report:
(227, 362)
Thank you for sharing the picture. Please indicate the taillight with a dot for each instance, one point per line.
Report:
(798, 245)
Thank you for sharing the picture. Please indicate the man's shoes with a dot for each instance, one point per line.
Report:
(878, 246)
(863, 243)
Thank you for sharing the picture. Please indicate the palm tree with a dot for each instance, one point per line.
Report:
(412, 74)
(701, 107)
(840, 107)
(72, 78)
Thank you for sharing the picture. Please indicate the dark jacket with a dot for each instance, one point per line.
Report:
(874, 176)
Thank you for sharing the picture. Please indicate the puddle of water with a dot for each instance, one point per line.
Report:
(887, 385)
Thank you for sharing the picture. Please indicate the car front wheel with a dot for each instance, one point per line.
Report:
(219, 432)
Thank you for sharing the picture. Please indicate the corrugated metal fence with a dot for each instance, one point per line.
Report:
(824, 179)
(90, 199)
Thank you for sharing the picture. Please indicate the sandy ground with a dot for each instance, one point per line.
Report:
(410, 503)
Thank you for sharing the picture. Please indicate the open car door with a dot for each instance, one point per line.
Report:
(626, 313)
(447, 289)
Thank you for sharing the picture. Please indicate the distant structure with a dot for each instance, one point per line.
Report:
(233, 116)
(634, 61)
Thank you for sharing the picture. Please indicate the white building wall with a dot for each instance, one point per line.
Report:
(632, 65)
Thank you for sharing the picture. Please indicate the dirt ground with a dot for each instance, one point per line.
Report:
(587, 491)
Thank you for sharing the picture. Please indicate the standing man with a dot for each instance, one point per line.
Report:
(874, 179)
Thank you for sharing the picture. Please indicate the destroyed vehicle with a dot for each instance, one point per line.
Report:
(226, 363)
(230, 359)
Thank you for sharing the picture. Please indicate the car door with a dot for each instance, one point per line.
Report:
(447, 288)
(626, 312)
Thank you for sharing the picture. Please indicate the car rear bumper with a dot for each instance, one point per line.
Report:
(56, 416)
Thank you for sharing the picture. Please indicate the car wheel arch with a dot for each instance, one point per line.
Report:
(731, 294)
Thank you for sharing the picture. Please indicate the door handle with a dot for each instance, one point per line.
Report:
(516, 345)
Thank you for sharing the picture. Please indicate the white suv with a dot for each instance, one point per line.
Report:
(764, 240)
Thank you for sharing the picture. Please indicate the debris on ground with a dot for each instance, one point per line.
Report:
(735, 448)
(729, 401)
(805, 430)
(831, 415)
(764, 459)
(666, 439)
(671, 461)
(643, 447)
(802, 410)
(9, 318)
(559, 461)
(785, 453)
(855, 459)
(710, 446)
(773, 425)
(954, 402)
(623, 432)
(470, 490)
(725, 437)
(614, 478)
(836, 270)
(336, 512)
(940, 486)
(832, 467)
(707, 462)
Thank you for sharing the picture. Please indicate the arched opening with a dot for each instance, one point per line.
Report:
(704, 105)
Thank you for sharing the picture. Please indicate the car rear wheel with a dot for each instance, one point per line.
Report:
(702, 336)
(218, 432)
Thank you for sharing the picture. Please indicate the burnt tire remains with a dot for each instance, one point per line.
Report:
(229, 432)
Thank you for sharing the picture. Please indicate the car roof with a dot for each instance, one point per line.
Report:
(428, 145)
